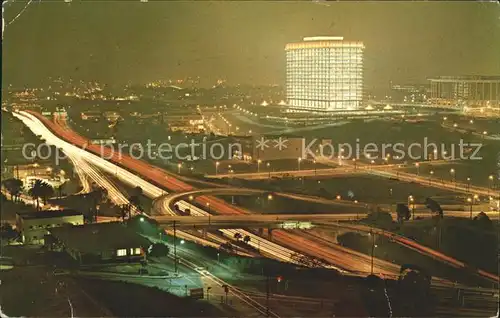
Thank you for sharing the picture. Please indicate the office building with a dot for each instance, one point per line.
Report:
(324, 74)
(34, 226)
(98, 243)
(465, 90)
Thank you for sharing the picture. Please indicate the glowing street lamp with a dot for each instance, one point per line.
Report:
(268, 165)
(179, 165)
(217, 167)
(452, 172)
(417, 165)
(411, 201)
(258, 165)
(491, 178)
(298, 162)
(432, 174)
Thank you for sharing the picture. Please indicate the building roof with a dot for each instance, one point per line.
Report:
(47, 214)
(98, 237)
(467, 78)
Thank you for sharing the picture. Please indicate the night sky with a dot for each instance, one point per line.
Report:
(243, 42)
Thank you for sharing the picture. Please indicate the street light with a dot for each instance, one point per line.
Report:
(452, 172)
(373, 249)
(411, 200)
(468, 184)
(432, 174)
(491, 178)
(417, 165)
(269, 196)
(179, 168)
(470, 205)
(217, 167)
(314, 162)
(258, 165)
(298, 162)
(269, 165)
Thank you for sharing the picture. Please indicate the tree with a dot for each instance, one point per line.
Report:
(40, 190)
(483, 221)
(246, 239)
(237, 236)
(59, 189)
(125, 210)
(403, 212)
(47, 192)
(434, 207)
(158, 250)
(7, 232)
(14, 187)
(135, 198)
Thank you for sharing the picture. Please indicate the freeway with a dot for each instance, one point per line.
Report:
(290, 173)
(39, 128)
(417, 247)
(158, 176)
(38, 124)
(248, 220)
(409, 177)
(167, 201)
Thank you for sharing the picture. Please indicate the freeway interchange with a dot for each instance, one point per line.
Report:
(153, 181)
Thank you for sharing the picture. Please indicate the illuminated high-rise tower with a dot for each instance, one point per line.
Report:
(324, 74)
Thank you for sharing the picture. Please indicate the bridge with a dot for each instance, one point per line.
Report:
(252, 220)
(165, 205)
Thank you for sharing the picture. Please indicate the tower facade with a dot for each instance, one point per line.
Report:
(324, 74)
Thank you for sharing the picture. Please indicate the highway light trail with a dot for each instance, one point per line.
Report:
(38, 127)
(38, 123)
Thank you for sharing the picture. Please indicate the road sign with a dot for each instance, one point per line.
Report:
(196, 293)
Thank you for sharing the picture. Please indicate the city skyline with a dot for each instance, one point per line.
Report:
(243, 41)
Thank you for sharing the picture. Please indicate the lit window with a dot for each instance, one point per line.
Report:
(135, 251)
(121, 252)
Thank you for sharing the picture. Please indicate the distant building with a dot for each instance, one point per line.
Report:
(324, 74)
(34, 226)
(408, 93)
(91, 115)
(99, 243)
(465, 90)
(277, 147)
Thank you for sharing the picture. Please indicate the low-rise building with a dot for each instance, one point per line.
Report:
(99, 243)
(34, 226)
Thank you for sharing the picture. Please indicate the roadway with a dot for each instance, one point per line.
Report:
(160, 177)
(39, 126)
(168, 201)
(413, 178)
